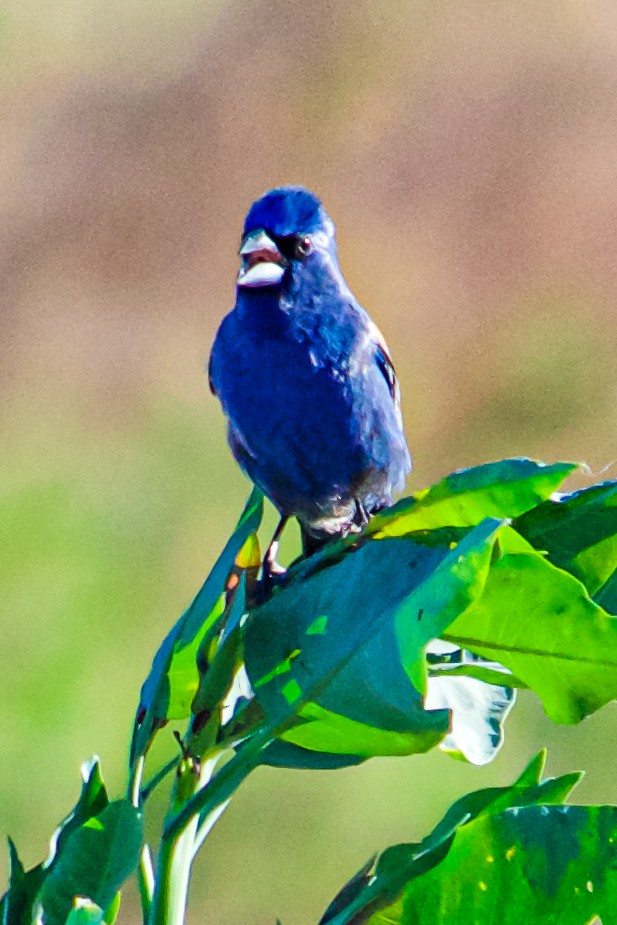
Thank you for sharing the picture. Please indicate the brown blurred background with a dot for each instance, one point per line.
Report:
(468, 154)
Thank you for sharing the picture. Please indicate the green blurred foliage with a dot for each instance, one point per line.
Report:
(467, 155)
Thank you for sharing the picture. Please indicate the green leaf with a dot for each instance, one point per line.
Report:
(16, 868)
(551, 864)
(85, 912)
(24, 886)
(169, 689)
(529, 788)
(578, 531)
(540, 623)
(92, 801)
(216, 672)
(95, 860)
(16, 904)
(606, 597)
(330, 732)
(481, 671)
(350, 896)
(355, 686)
(499, 489)
(378, 892)
(111, 913)
(280, 754)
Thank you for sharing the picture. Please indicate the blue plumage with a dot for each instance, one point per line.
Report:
(304, 375)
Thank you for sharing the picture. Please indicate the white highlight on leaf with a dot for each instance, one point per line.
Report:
(476, 708)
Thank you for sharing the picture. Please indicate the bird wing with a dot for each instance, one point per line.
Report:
(384, 361)
(210, 379)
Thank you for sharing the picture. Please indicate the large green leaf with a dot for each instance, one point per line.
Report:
(504, 489)
(169, 689)
(96, 859)
(578, 531)
(378, 892)
(463, 499)
(337, 660)
(540, 623)
(343, 649)
(551, 864)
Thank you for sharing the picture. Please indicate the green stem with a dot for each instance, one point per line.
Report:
(172, 879)
(145, 874)
(222, 785)
(176, 854)
(134, 786)
(145, 882)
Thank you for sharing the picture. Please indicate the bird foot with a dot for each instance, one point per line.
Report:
(272, 576)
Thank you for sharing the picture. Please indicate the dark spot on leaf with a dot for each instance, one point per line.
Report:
(200, 720)
(202, 662)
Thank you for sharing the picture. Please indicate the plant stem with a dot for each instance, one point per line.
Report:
(134, 787)
(145, 882)
(145, 874)
(175, 858)
(222, 786)
(172, 878)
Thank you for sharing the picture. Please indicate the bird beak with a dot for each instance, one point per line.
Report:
(262, 262)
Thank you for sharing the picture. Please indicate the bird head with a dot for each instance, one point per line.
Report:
(286, 228)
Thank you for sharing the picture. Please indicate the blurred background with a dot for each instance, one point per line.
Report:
(468, 154)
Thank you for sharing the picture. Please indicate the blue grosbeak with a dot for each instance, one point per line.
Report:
(305, 378)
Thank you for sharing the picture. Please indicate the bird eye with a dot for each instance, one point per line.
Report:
(303, 247)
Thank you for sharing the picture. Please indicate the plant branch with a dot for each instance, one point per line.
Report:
(222, 785)
(134, 785)
(177, 851)
(145, 882)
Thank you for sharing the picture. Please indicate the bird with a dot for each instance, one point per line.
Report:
(305, 378)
